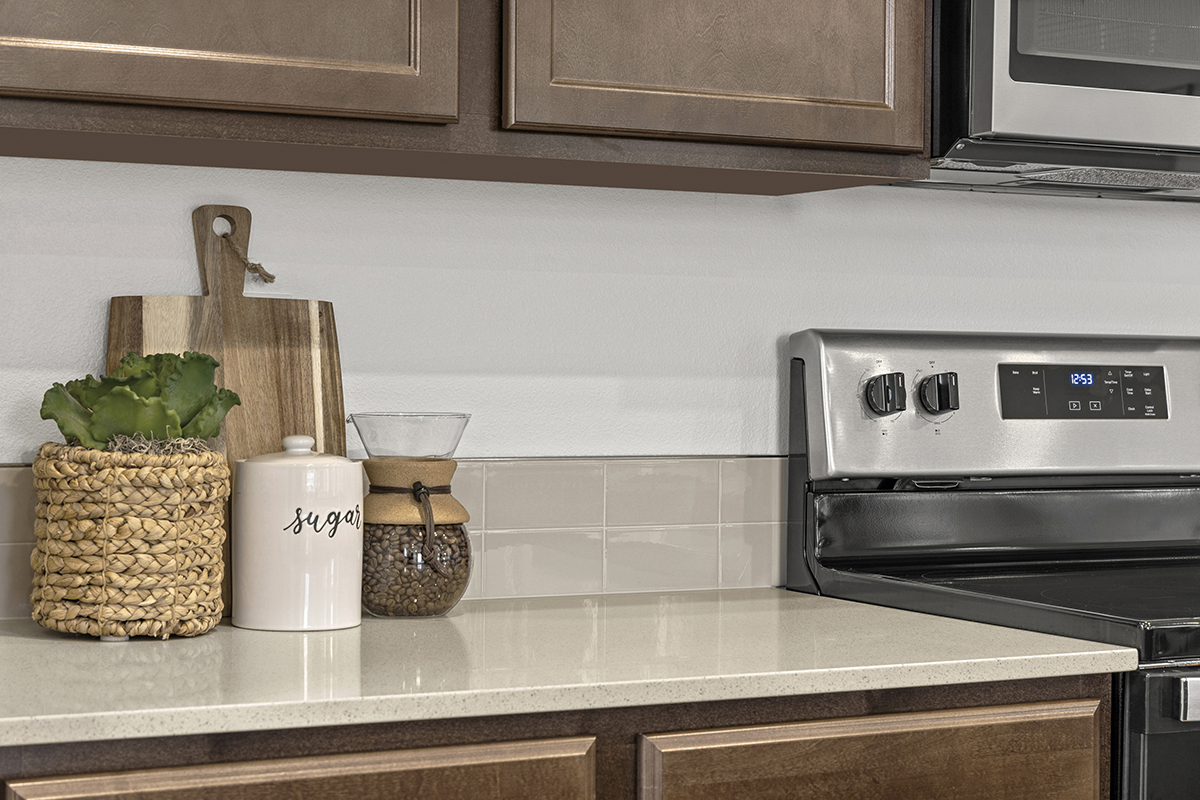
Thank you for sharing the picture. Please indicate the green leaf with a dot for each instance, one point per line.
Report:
(85, 390)
(73, 419)
(123, 412)
(189, 388)
(157, 395)
(143, 374)
(207, 422)
(133, 365)
(89, 390)
(165, 365)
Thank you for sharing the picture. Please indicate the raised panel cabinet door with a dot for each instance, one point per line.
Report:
(547, 769)
(395, 59)
(1039, 751)
(849, 73)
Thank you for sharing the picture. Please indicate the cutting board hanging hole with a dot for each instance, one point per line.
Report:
(223, 226)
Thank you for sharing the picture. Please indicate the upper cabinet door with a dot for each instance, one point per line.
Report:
(849, 73)
(393, 59)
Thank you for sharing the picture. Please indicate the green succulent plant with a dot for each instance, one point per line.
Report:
(161, 396)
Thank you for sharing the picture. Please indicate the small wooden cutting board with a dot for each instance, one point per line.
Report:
(279, 355)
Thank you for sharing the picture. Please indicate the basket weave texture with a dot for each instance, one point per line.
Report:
(128, 544)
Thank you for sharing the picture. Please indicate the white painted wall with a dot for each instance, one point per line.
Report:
(574, 321)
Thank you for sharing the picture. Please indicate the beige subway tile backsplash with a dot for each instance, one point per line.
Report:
(18, 499)
(650, 559)
(662, 492)
(559, 526)
(752, 554)
(549, 493)
(531, 563)
(16, 580)
(753, 490)
(17, 503)
(467, 486)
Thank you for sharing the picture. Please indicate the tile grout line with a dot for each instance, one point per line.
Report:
(647, 526)
(720, 516)
(483, 482)
(604, 526)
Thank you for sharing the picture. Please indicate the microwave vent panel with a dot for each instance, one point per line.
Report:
(1153, 32)
(1124, 178)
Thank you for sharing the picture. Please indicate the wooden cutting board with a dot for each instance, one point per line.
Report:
(279, 355)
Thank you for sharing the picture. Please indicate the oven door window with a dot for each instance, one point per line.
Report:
(1133, 45)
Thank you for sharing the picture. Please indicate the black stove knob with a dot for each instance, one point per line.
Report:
(939, 393)
(885, 393)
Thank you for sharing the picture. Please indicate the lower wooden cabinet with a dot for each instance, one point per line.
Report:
(1042, 751)
(549, 769)
(1037, 739)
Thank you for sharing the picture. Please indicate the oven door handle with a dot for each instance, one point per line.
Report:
(1189, 699)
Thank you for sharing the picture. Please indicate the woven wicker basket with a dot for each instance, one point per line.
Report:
(128, 544)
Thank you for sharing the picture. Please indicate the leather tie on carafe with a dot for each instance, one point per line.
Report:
(421, 492)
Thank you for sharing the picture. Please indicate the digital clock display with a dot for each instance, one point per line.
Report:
(1083, 391)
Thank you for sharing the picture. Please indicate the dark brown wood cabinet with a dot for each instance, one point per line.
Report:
(396, 59)
(767, 97)
(848, 74)
(1049, 751)
(1028, 739)
(557, 769)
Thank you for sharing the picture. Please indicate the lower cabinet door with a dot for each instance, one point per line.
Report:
(1040, 751)
(549, 769)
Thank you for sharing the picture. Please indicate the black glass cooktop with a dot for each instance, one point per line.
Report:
(1153, 605)
(1140, 593)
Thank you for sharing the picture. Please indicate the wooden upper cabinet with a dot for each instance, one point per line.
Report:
(848, 73)
(392, 59)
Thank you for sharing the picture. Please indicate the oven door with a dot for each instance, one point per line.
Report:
(1120, 72)
(1159, 755)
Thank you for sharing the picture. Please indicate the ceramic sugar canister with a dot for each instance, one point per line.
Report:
(297, 540)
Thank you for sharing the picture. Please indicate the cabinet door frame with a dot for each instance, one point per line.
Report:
(534, 99)
(1032, 748)
(424, 89)
(510, 768)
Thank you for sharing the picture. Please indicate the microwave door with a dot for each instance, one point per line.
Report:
(1115, 72)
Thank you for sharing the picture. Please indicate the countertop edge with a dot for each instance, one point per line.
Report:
(508, 657)
(499, 702)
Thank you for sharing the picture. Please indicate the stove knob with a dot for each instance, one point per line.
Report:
(939, 393)
(885, 393)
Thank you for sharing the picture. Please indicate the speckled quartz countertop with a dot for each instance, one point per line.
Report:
(493, 657)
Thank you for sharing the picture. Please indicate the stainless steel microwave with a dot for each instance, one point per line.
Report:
(1095, 97)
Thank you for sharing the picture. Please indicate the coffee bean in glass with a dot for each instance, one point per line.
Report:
(397, 579)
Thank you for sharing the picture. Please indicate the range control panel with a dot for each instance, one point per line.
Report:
(976, 405)
(1082, 391)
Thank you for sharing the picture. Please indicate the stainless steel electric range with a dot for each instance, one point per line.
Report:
(1050, 483)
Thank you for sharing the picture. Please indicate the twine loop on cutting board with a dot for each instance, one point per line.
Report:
(251, 267)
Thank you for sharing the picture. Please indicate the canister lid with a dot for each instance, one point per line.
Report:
(298, 450)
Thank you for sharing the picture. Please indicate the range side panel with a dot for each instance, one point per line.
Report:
(799, 576)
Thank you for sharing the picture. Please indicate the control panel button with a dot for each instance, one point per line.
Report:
(939, 393)
(886, 394)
